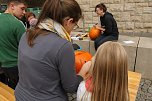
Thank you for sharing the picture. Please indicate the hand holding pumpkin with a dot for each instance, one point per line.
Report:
(101, 28)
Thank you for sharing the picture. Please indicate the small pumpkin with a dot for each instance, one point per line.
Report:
(94, 33)
(81, 57)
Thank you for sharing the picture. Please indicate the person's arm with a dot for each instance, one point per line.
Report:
(99, 27)
(19, 30)
(66, 63)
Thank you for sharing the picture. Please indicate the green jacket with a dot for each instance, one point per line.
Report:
(11, 30)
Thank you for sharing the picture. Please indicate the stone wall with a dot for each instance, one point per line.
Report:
(132, 16)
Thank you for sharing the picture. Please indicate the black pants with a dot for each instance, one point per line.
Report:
(101, 39)
(11, 75)
(2, 76)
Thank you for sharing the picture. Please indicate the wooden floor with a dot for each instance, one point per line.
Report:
(133, 84)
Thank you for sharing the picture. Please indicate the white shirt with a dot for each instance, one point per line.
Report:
(82, 94)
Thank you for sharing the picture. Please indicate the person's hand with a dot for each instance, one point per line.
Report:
(100, 28)
(84, 70)
(33, 22)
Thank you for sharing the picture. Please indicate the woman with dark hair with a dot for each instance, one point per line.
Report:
(108, 26)
(46, 56)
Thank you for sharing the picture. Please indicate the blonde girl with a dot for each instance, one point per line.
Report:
(108, 80)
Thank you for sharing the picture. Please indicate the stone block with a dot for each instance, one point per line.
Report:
(94, 14)
(150, 4)
(146, 35)
(129, 6)
(128, 31)
(88, 16)
(116, 7)
(92, 48)
(147, 10)
(121, 25)
(95, 19)
(92, 9)
(136, 18)
(85, 2)
(139, 5)
(147, 25)
(93, 3)
(125, 17)
(144, 56)
(85, 8)
(130, 25)
(138, 11)
(150, 31)
(138, 25)
(130, 48)
(147, 18)
(140, 30)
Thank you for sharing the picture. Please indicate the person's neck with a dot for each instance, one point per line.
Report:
(9, 11)
(103, 14)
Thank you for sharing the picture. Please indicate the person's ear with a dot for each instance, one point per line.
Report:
(12, 6)
(69, 21)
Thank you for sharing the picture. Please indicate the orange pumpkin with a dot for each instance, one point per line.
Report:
(94, 33)
(81, 57)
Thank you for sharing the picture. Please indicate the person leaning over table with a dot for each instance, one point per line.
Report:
(46, 56)
(11, 30)
(107, 25)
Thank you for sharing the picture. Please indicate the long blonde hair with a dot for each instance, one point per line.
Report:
(110, 73)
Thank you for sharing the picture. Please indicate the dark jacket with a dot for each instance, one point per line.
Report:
(109, 23)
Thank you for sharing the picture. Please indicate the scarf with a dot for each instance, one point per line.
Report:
(53, 26)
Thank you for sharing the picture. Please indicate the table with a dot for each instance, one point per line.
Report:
(133, 84)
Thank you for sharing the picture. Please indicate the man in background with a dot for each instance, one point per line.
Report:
(11, 30)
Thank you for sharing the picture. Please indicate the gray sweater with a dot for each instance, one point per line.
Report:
(46, 71)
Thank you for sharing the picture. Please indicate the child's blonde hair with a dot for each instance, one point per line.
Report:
(110, 73)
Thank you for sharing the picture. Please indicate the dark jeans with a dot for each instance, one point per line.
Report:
(2, 76)
(11, 75)
(103, 38)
